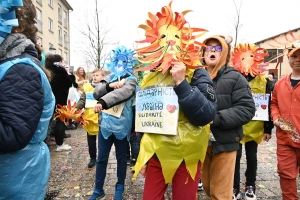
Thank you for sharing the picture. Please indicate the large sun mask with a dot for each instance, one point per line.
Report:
(171, 39)
(248, 59)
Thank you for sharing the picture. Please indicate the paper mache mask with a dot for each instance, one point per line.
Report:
(171, 39)
(122, 62)
(248, 59)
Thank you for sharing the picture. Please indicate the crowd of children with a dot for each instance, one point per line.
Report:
(186, 121)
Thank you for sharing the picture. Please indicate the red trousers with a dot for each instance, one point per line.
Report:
(288, 168)
(183, 186)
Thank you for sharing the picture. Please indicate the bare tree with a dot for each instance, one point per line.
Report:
(96, 38)
(237, 23)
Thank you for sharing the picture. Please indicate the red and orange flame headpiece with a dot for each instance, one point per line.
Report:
(171, 40)
(248, 59)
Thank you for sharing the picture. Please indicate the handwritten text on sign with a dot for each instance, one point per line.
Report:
(157, 111)
(261, 107)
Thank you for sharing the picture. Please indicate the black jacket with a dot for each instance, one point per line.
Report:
(197, 100)
(21, 103)
(235, 108)
(60, 84)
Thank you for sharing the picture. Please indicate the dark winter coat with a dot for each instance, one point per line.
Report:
(20, 115)
(60, 83)
(235, 108)
(197, 100)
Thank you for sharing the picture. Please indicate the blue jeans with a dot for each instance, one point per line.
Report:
(135, 141)
(104, 147)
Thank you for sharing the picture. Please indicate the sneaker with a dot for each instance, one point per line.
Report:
(63, 147)
(66, 144)
(119, 189)
(66, 135)
(250, 193)
(92, 163)
(236, 194)
(97, 194)
(200, 185)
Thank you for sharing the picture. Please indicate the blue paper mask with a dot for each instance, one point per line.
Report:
(122, 61)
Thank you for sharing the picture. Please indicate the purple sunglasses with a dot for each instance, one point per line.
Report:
(210, 48)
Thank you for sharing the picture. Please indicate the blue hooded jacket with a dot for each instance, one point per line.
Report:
(26, 107)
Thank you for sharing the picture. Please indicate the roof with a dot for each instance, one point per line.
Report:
(293, 30)
(67, 4)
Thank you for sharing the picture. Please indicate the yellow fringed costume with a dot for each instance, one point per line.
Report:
(189, 145)
(89, 115)
(254, 130)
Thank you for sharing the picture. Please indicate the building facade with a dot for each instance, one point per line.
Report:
(53, 26)
(275, 45)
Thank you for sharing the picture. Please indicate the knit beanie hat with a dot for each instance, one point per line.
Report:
(225, 54)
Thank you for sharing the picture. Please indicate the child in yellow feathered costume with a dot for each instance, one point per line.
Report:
(249, 61)
(88, 102)
(171, 56)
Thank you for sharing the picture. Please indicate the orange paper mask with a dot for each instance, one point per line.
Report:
(171, 38)
(248, 59)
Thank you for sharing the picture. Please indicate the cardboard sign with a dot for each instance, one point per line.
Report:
(261, 107)
(115, 111)
(90, 101)
(157, 111)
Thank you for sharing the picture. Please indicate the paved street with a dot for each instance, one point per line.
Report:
(71, 179)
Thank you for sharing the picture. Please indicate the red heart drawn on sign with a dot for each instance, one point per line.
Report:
(171, 108)
(263, 106)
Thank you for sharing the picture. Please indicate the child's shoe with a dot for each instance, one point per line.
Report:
(200, 185)
(97, 194)
(92, 163)
(63, 147)
(236, 194)
(119, 191)
(250, 193)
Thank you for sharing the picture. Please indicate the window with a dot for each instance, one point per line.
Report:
(273, 53)
(66, 40)
(60, 52)
(51, 48)
(59, 36)
(50, 3)
(39, 20)
(50, 24)
(65, 57)
(59, 14)
(65, 17)
(40, 2)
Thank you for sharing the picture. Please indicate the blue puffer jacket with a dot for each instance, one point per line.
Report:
(26, 106)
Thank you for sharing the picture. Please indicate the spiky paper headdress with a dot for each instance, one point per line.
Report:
(8, 17)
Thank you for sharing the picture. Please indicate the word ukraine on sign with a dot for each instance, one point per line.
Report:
(157, 111)
(261, 106)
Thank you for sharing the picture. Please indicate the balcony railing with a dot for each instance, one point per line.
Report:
(60, 40)
(65, 23)
(39, 25)
(59, 17)
(40, 2)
